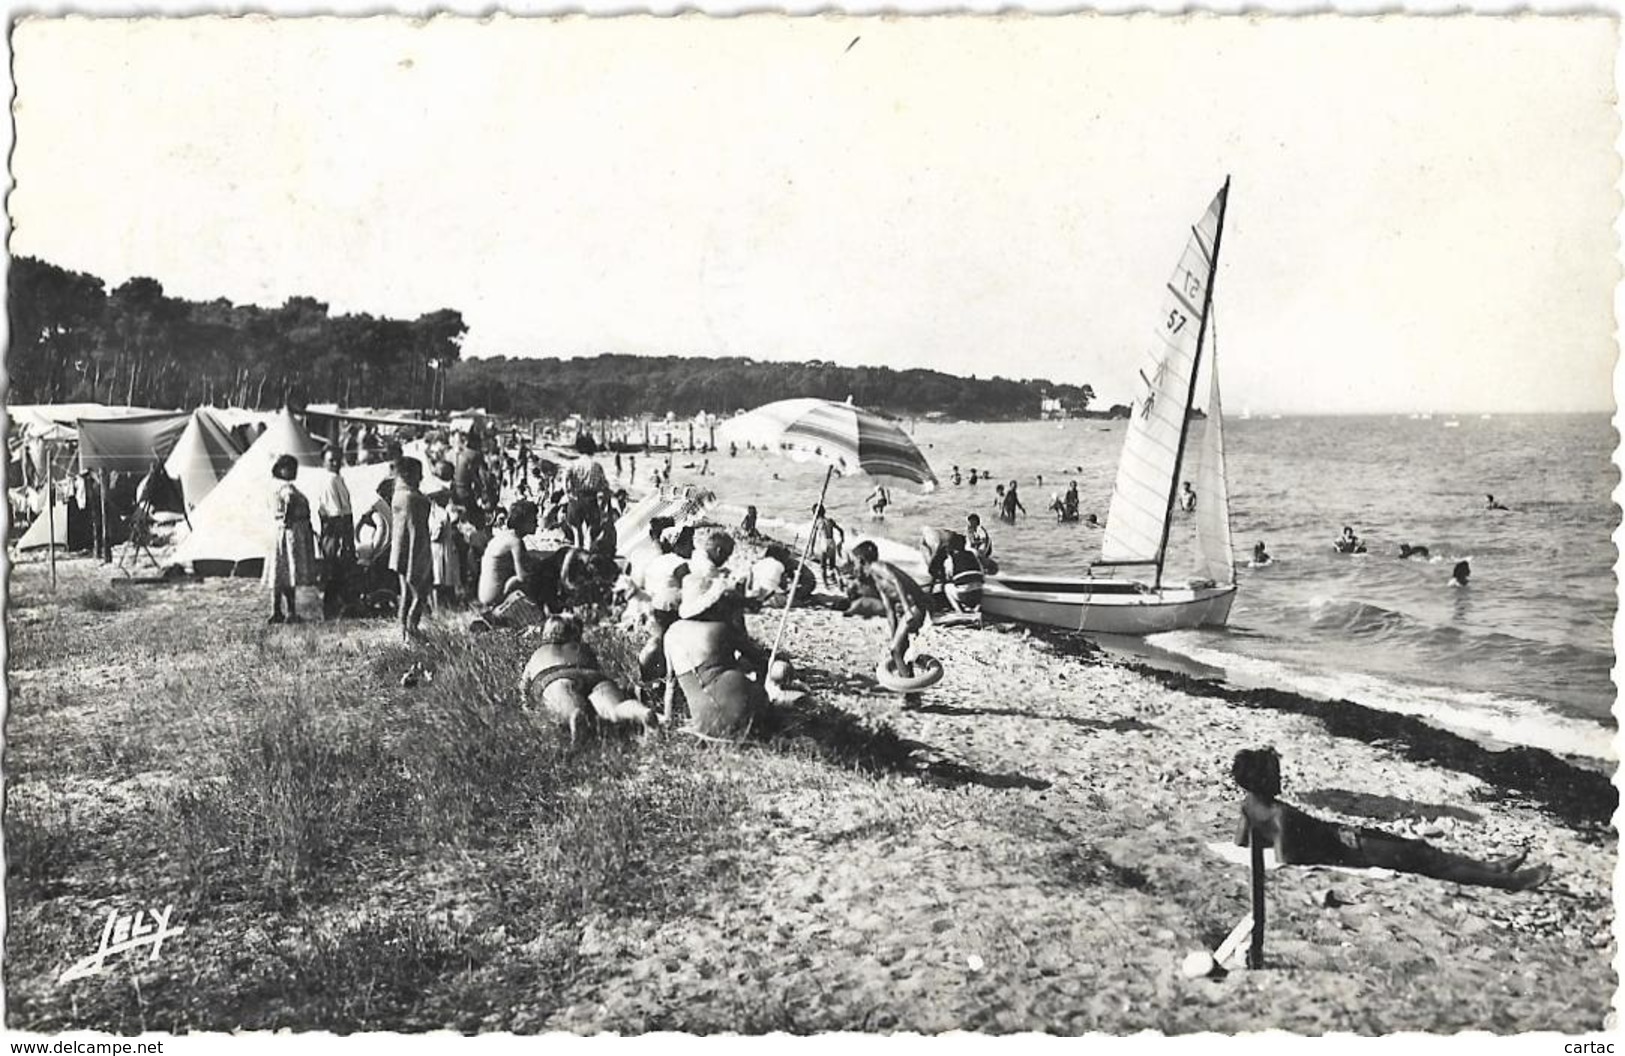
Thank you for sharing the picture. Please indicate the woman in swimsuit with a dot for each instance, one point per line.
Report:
(564, 680)
(708, 652)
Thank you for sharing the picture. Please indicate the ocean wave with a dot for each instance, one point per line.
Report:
(1497, 717)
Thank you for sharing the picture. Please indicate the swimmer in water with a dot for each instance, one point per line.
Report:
(1261, 557)
(1407, 550)
(1491, 504)
(1349, 543)
(1459, 574)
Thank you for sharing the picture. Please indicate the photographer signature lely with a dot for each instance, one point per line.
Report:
(125, 932)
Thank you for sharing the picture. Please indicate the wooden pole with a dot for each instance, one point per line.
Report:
(1255, 949)
(50, 510)
(101, 541)
(795, 583)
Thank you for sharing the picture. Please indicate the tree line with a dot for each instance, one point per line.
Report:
(623, 385)
(73, 339)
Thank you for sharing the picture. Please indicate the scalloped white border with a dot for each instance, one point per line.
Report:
(1264, 1044)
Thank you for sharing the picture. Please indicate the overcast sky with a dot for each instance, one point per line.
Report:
(1421, 216)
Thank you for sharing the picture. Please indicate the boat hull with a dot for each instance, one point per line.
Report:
(1105, 606)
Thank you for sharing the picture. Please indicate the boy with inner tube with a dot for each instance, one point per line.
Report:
(906, 604)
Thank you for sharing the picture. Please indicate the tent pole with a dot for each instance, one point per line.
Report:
(50, 513)
(790, 599)
(103, 546)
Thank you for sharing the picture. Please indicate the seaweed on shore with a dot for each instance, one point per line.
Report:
(1582, 799)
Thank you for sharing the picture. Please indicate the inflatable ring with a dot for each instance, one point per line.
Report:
(927, 673)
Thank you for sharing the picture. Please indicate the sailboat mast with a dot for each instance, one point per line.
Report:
(1196, 369)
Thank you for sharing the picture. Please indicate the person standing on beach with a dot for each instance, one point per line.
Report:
(337, 541)
(827, 539)
(878, 500)
(1303, 839)
(1187, 498)
(292, 561)
(906, 604)
(410, 557)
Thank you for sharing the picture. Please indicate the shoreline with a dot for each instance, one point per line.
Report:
(1573, 790)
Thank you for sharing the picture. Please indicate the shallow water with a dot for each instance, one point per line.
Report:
(1522, 654)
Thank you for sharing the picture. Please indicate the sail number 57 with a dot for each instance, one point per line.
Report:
(1176, 321)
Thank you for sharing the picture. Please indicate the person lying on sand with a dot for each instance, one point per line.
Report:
(563, 680)
(1303, 839)
(906, 604)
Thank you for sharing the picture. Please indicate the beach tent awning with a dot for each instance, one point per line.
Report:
(129, 445)
(369, 416)
(59, 421)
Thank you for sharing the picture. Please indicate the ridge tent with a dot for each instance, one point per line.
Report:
(231, 528)
(203, 455)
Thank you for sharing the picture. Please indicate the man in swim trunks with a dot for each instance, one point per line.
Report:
(906, 604)
(879, 499)
(1303, 839)
(506, 565)
(563, 678)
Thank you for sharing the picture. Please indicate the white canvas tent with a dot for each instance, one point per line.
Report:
(233, 529)
(38, 534)
(203, 455)
(232, 526)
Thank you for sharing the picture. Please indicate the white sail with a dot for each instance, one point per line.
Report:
(1137, 519)
(1217, 559)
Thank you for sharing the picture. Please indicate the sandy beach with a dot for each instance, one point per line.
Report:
(1027, 851)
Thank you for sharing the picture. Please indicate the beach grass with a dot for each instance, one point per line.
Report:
(347, 852)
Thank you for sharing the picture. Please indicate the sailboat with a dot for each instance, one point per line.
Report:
(1126, 591)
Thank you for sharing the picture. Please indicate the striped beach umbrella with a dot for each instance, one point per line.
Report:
(845, 438)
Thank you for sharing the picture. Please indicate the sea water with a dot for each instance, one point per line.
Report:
(1522, 654)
